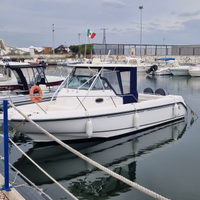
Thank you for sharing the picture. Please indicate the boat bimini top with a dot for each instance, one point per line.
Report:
(122, 80)
(28, 75)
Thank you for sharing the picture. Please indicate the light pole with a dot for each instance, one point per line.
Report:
(140, 7)
(53, 40)
(79, 35)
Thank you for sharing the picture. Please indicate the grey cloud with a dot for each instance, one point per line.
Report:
(115, 3)
(153, 24)
(187, 14)
(192, 25)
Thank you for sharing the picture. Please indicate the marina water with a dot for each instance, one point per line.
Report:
(163, 159)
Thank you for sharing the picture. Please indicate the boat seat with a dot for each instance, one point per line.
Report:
(148, 91)
(161, 91)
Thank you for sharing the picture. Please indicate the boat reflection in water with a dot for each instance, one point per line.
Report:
(86, 181)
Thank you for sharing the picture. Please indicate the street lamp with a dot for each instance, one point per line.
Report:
(140, 7)
(53, 40)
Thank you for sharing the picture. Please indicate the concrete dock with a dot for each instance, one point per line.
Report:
(3, 196)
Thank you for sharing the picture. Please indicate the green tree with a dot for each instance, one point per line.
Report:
(89, 48)
(74, 49)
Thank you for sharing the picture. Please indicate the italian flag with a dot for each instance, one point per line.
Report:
(90, 34)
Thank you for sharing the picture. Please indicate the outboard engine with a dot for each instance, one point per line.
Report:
(153, 68)
(42, 62)
(148, 91)
(162, 92)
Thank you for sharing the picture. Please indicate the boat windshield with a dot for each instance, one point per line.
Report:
(34, 76)
(121, 80)
(27, 77)
(85, 82)
(108, 79)
(82, 78)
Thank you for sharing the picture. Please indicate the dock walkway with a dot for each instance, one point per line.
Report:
(21, 190)
(3, 196)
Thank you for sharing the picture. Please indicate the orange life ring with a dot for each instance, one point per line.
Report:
(35, 94)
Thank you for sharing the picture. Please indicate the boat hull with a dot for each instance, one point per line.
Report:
(105, 123)
(161, 72)
(194, 72)
(180, 72)
(55, 157)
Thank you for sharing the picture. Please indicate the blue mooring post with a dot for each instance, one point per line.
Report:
(6, 154)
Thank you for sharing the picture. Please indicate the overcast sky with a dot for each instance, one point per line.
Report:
(26, 23)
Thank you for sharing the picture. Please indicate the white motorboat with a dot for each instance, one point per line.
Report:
(194, 71)
(182, 70)
(18, 78)
(160, 69)
(68, 62)
(9, 77)
(99, 101)
(142, 66)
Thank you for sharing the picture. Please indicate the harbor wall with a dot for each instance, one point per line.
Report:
(57, 58)
(151, 59)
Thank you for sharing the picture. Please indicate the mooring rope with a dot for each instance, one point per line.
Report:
(121, 178)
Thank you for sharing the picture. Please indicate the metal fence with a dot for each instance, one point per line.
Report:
(146, 50)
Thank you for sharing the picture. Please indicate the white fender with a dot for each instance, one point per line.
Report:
(175, 110)
(89, 128)
(136, 120)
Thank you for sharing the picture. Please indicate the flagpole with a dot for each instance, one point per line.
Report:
(86, 39)
(85, 45)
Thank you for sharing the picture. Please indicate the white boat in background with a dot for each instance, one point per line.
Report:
(194, 71)
(34, 61)
(18, 78)
(164, 68)
(142, 66)
(182, 69)
(162, 71)
(9, 78)
(68, 62)
(98, 101)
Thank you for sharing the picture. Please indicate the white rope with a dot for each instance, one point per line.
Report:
(15, 178)
(121, 178)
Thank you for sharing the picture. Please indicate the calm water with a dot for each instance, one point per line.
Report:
(164, 159)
